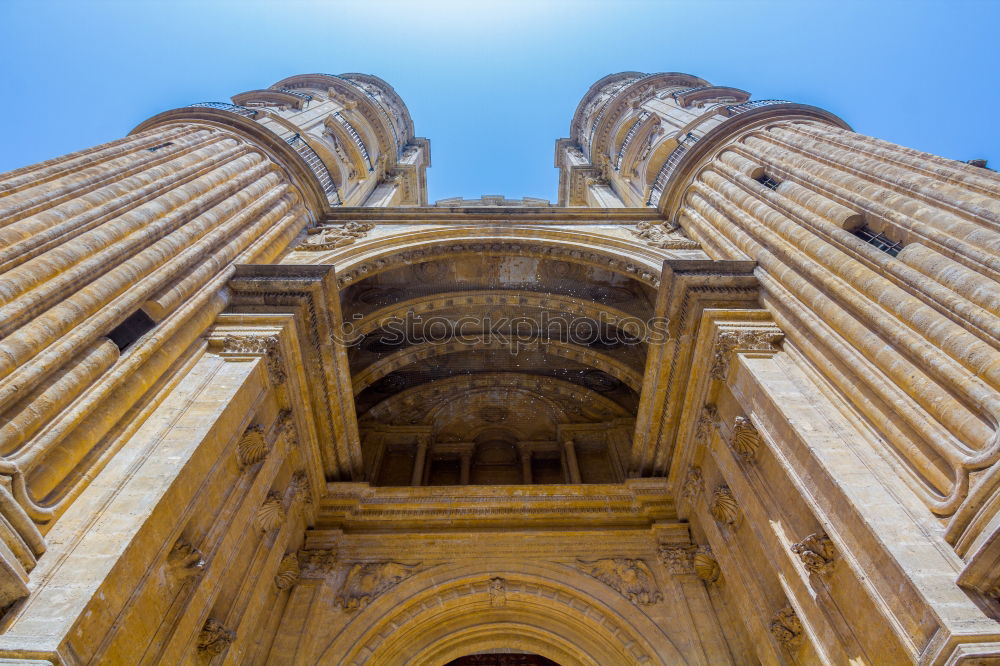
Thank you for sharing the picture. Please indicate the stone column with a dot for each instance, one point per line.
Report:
(418, 463)
(466, 458)
(571, 465)
(525, 452)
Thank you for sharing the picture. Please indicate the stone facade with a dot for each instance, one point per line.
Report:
(733, 398)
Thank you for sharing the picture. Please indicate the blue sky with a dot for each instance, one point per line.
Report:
(494, 83)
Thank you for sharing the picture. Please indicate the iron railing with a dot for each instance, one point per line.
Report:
(632, 131)
(301, 95)
(385, 111)
(232, 108)
(685, 91)
(316, 165)
(756, 104)
(357, 138)
(668, 169)
(879, 240)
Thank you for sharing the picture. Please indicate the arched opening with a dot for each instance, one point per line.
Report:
(502, 658)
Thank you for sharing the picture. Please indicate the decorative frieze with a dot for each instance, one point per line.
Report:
(328, 237)
(252, 447)
(267, 346)
(367, 580)
(745, 439)
(816, 552)
(724, 507)
(214, 638)
(288, 572)
(705, 565)
(271, 514)
(498, 592)
(630, 578)
(786, 627)
(742, 340)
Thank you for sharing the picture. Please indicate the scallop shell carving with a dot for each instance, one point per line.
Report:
(724, 507)
(705, 566)
(271, 513)
(746, 439)
(288, 572)
(252, 447)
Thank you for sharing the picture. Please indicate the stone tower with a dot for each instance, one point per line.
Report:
(734, 398)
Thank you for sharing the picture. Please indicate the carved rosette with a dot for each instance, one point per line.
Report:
(367, 580)
(328, 237)
(267, 346)
(816, 552)
(252, 447)
(786, 627)
(745, 440)
(316, 563)
(677, 559)
(694, 484)
(724, 507)
(271, 514)
(214, 638)
(185, 561)
(708, 419)
(743, 340)
(630, 578)
(288, 572)
(705, 565)
(498, 592)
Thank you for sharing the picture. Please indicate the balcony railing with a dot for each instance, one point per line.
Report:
(385, 111)
(668, 168)
(317, 166)
(756, 104)
(357, 138)
(301, 95)
(232, 108)
(632, 131)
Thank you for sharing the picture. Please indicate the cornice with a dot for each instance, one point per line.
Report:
(554, 215)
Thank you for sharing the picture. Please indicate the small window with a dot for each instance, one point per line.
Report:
(162, 145)
(767, 181)
(879, 240)
(134, 327)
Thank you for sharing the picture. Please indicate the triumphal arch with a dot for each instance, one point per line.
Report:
(733, 399)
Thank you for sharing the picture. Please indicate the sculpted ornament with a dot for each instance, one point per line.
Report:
(185, 560)
(252, 447)
(258, 345)
(300, 488)
(746, 439)
(367, 580)
(328, 237)
(214, 638)
(271, 513)
(663, 237)
(816, 552)
(728, 342)
(708, 419)
(316, 563)
(288, 572)
(677, 559)
(630, 578)
(705, 565)
(498, 592)
(694, 483)
(786, 627)
(724, 507)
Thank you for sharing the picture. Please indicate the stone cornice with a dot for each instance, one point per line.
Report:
(545, 215)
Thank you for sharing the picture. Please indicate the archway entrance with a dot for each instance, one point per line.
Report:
(502, 659)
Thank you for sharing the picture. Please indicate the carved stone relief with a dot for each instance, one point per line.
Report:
(708, 419)
(316, 563)
(630, 578)
(267, 346)
(663, 237)
(252, 447)
(724, 507)
(745, 440)
(728, 342)
(816, 552)
(271, 513)
(185, 561)
(498, 592)
(694, 484)
(367, 580)
(677, 559)
(328, 237)
(705, 565)
(214, 638)
(786, 627)
(288, 572)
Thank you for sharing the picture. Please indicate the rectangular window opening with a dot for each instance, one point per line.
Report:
(162, 145)
(768, 182)
(134, 327)
(879, 240)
